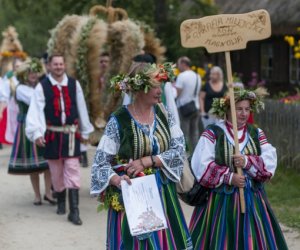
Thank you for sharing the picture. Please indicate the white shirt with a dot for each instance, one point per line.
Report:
(5, 91)
(24, 93)
(35, 120)
(186, 81)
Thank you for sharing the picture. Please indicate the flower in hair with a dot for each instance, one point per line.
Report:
(143, 80)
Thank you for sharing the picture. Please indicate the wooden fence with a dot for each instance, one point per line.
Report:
(281, 124)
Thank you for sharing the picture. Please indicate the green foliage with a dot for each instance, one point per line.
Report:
(284, 196)
(34, 19)
(81, 62)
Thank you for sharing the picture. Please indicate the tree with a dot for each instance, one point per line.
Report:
(34, 19)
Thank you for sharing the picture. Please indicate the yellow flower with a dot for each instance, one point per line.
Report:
(297, 55)
(201, 72)
(290, 40)
(194, 68)
(176, 71)
(115, 204)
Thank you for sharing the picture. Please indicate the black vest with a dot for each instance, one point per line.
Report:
(57, 143)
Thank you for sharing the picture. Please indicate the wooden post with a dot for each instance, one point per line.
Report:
(234, 123)
(224, 33)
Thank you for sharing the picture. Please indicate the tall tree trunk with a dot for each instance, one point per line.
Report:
(161, 15)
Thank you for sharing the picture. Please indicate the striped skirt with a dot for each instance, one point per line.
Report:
(176, 236)
(25, 157)
(219, 224)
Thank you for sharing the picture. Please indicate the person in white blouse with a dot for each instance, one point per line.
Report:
(26, 157)
(214, 163)
(188, 85)
(7, 100)
(58, 120)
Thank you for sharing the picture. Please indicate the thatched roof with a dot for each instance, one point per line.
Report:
(285, 14)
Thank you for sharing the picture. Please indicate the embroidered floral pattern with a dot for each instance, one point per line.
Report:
(56, 100)
(67, 100)
(262, 173)
(212, 175)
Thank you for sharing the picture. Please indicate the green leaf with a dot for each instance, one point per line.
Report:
(100, 207)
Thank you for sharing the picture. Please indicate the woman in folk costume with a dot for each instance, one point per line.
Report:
(219, 224)
(3, 118)
(8, 106)
(145, 136)
(26, 157)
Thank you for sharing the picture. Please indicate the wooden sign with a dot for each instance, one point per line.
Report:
(225, 32)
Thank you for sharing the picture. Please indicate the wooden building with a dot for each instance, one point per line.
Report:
(272, 59)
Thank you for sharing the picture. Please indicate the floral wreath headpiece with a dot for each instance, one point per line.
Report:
(30, 65)
(143, 80)
(220, 106)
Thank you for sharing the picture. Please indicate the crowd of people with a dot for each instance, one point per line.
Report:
(162, 121)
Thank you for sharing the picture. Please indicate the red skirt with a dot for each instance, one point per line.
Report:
(3, 122)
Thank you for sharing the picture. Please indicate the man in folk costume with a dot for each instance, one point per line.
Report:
(58, 120)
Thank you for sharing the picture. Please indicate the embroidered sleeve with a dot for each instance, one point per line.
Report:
(262, 168)
(174, 158)
(108, 147)
(207, 172)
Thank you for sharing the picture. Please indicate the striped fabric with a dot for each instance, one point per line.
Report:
(262, 138)
(25, 157)
(219, 224)
(176, 236)
(209, 135)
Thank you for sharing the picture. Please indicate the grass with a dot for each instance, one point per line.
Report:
(284, 195)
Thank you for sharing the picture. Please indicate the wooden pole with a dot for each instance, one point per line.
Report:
(234, 123)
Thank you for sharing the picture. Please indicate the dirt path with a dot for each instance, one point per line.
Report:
(24, 226)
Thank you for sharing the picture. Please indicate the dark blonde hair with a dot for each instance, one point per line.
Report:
(146, 69)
